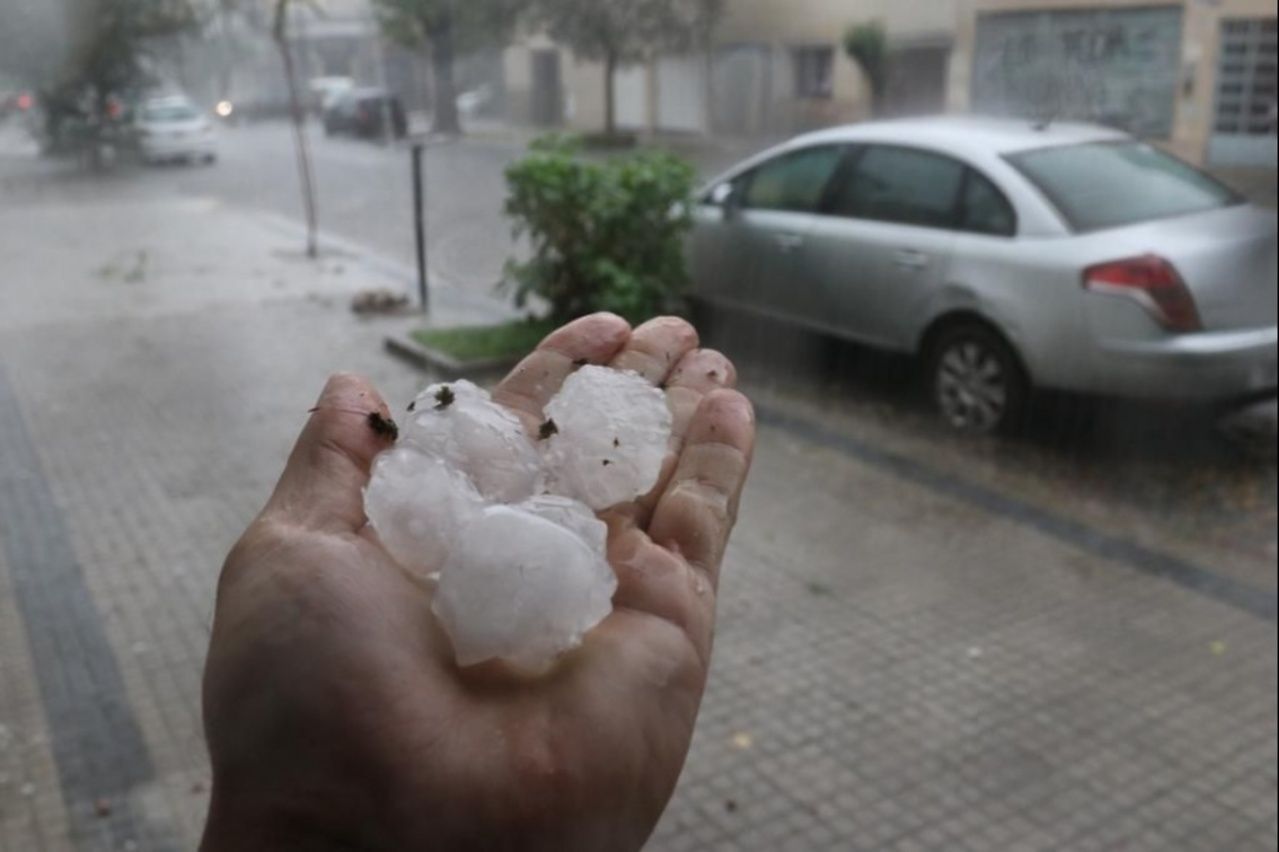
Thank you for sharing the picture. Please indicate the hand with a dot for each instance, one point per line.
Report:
(335, 714)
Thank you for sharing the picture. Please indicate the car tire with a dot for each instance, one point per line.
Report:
(976, 381)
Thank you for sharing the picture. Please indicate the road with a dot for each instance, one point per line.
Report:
(1060, 642)
(365, 193)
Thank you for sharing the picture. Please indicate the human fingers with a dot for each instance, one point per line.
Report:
(593, 339)
(696, 512)
(321, 486)
(698, 373)
(656, 347)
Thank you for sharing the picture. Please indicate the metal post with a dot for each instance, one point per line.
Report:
(419, 227)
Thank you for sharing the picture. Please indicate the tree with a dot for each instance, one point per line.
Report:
(618, 33)
(445, 27)
(866, 44)
(110, 42)
(605, 236)
(33, 41)
(279, 32)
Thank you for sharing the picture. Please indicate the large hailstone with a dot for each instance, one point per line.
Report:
(573, 516)
(459, 424)
(521, 577)
(610, 434)
(522, 588)
(417, 504)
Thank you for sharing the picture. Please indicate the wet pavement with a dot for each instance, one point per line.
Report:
(1061, 642)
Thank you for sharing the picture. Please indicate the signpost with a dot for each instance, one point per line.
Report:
(419, 227)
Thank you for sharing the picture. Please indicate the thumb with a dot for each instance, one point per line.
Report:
(321, 487)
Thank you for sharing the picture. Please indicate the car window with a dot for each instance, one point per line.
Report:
(1106, 184)
(794, 181)
(984, 209)
(901, 185)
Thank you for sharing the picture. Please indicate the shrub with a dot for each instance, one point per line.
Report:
(605, 235)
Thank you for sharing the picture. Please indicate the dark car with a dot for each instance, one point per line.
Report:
(362, 113)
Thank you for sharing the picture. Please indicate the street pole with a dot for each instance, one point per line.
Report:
(419, 227)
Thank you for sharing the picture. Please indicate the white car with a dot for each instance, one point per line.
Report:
(172, 128)
(1010, 255)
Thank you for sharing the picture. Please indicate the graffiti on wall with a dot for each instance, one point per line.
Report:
(1114, 66)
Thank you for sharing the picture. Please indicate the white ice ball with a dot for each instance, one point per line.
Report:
(574, 516)
(458, 423)
(610, 437)
(417, 504)
(522, 588)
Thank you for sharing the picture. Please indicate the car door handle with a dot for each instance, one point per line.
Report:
(788, 242)
(910, 259)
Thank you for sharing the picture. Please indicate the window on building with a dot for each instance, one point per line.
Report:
(814, 67)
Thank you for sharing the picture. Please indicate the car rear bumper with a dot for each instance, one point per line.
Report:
(160, 149)
(1204, 367)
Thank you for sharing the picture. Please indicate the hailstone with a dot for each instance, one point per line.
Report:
(610, 437)
(522, 575)
(572, 515)
(458, 423)
(416, 504)
(523, 588)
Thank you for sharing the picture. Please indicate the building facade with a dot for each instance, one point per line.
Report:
(774, 67)
(1197, 76)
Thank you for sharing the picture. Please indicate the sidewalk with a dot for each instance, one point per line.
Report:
(147, 346)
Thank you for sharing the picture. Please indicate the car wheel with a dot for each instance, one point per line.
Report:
(978, 385)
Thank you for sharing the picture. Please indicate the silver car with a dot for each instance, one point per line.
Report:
(1008, 255)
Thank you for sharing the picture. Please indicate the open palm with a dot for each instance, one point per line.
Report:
(335, 715)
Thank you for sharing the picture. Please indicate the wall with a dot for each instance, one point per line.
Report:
(755, 37)
(1196, 58)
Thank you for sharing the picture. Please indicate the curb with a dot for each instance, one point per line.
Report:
(442, 289)
(426, 358)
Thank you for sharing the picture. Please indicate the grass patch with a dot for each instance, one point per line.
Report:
(485, 342)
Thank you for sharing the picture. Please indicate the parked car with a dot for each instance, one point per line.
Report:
(325, 92)
(1007, 255)
(172, 128)
(475, 101)
(363, 112)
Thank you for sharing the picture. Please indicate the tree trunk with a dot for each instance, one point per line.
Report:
(877, 99)
(444, 120)
(610, 106)
(300, 143)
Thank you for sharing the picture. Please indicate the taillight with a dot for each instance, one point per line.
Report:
(1151, 282)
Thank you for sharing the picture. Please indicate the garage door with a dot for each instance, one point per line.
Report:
(681, 94)
(630, 91)
(1244, 112)
(1115, 66)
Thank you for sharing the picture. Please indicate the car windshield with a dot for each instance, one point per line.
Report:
(167, 113)
(1109, 184)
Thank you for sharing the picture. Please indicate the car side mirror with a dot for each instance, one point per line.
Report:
(724, 197)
